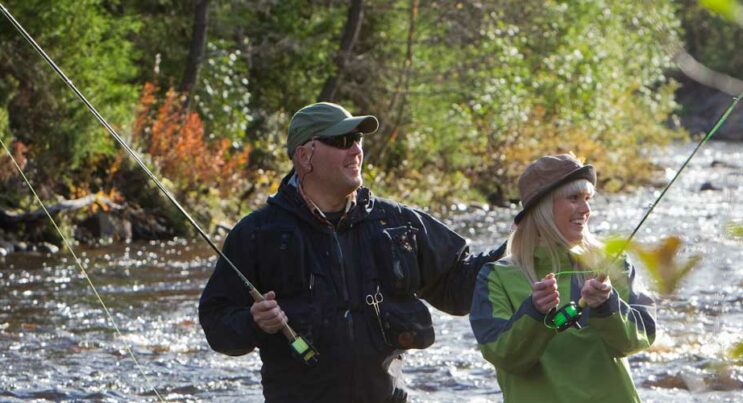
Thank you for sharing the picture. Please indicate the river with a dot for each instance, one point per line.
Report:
(57, 344)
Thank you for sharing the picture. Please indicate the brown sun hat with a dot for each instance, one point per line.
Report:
(547, 174)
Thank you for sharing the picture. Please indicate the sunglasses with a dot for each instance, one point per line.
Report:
(344, 141)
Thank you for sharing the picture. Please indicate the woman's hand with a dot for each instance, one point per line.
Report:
(596, 292)
(544, 295)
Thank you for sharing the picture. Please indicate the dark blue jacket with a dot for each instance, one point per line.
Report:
(322, 276)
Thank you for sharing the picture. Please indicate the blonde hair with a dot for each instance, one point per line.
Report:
(538, 228)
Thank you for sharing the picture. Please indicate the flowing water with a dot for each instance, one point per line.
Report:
(57, 344)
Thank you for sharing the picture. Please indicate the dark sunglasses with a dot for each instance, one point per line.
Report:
(344, 141)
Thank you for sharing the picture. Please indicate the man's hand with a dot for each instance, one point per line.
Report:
(544, 294)
(268, 315)
(596, 292)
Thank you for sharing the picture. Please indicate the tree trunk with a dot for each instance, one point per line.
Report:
(348, 39)
(403, 84)
(196, 51)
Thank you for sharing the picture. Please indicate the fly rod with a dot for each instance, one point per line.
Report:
(300, 347)
(569, 314)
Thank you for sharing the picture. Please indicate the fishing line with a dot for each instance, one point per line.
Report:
(85, 273)
(300, 347)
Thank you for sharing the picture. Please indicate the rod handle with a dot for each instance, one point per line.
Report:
(286, 330)
(582, 302)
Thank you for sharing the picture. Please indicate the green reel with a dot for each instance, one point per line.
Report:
(564, 318)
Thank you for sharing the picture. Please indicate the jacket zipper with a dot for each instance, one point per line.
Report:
(344, 286)
(348, 315)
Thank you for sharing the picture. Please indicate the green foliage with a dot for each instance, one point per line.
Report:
(734, 230)
(91, 47)
(290, 43)
(162, 40)
(712, 40)
(737, 351)
(4, 133)
(492, 86)
(729, 9)
(223, 96)
(467, 93)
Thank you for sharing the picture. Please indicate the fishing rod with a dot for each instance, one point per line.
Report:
(84, 272)
(300, 347)
(569, 314)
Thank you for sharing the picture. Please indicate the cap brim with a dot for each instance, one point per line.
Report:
(585, 172)
(365, 124)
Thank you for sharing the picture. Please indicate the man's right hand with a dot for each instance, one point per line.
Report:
(268, 315)
(544, 294)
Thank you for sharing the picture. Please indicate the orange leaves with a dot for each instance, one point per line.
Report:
(176, 141)
(7, 168)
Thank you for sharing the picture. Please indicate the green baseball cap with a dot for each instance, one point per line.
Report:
(325, 119)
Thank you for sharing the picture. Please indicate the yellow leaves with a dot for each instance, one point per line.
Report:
(660, 260)
(734, 230)
(603, 262)
(736, 352)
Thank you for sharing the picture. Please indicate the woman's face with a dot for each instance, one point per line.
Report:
(571, 213)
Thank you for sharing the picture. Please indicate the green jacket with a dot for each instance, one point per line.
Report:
(536, 364)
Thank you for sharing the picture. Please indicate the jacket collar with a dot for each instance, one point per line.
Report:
(290, 197)
(543, 261)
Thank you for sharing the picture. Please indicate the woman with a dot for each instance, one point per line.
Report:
(515, 297)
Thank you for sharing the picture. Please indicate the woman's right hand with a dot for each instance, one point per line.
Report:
(544, 295)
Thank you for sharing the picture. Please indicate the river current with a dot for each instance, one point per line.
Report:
(57, 344)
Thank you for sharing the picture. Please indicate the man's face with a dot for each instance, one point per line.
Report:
(335, 168)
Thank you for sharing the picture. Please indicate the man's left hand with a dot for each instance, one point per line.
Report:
(596, 292)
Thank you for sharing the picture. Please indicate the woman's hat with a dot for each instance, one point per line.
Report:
(547, 174)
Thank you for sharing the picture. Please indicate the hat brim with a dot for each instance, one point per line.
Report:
(585, 172)
(365, 124)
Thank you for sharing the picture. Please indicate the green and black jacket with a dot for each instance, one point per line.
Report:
(536, 364)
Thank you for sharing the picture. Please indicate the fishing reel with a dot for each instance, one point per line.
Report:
(303, 351)
(565, 317)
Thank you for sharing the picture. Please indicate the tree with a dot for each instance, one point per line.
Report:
(196, 50)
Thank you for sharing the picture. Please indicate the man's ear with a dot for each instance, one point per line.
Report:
(303, 156)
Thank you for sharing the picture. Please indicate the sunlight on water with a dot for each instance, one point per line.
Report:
(56, 343)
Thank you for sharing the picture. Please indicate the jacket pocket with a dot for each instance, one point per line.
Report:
(398, 250)
(281, 265)
(406, 323)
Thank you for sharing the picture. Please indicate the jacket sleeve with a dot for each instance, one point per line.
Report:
(626, 323)
(448, 270)
(512, 339)
(224, 307)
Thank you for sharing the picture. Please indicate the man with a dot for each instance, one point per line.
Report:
(342, 267)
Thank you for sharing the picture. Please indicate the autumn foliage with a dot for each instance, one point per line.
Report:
(7, 168)
(176, 141)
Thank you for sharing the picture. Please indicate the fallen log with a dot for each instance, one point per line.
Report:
(10, 217)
